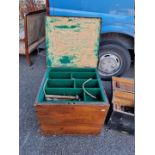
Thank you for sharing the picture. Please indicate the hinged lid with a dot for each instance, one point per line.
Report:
(72, 41)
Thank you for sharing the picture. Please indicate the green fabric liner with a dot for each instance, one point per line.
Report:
(69, 81)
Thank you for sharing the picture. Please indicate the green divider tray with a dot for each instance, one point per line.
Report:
(81, 82)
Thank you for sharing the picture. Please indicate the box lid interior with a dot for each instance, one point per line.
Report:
(72, 41)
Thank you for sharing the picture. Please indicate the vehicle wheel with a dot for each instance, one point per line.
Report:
(114, 60)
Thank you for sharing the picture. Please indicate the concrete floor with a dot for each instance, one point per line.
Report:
(109, 142)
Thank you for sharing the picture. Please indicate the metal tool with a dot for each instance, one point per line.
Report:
(61, 97)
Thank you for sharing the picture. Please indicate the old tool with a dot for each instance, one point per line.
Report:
(61, 97)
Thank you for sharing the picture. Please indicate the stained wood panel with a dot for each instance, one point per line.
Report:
(71, 119)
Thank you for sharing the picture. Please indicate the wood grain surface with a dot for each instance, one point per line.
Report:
(123, 84)
(123, 98)
(71, 119)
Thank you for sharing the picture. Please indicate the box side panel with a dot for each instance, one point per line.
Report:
(40, 94)
(122, 98)
(103, 92)
(123, 84)
(71, 119)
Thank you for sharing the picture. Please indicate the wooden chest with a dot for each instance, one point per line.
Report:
(71, 99)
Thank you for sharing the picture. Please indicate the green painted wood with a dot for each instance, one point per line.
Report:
(69, 82)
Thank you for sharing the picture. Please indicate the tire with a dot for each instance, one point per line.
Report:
(114, 60)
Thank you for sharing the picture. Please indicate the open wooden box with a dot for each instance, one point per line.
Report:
(79, 104)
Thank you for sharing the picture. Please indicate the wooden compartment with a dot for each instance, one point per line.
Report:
(78, 104)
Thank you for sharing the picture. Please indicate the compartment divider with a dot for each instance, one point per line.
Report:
(84, 96)
(71, 75)
(84, 75)
(74, 83)
(73, 79)
(72, 69)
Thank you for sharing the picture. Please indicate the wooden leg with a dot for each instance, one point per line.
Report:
(28, 59)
